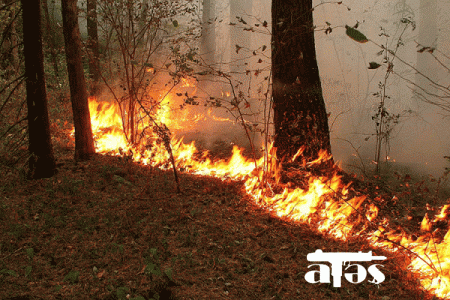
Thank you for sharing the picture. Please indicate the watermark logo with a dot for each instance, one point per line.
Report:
(343, 259)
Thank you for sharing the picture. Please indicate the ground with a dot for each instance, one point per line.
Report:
(109, 228)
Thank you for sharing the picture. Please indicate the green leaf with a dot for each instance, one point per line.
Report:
(117, 248)
(122, 292)
(72, 276)
(30, 253)
(355, 34)
(151, 268)
(175, 23)
(168, 273)
(153, 251)
(373, 65)
(122, 180)
(8, 272)
(28, 270)
(147, 64)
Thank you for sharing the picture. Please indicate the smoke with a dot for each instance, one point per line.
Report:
(418, 139)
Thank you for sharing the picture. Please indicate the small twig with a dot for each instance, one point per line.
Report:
(14, 253)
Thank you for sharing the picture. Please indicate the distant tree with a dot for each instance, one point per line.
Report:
(240, 38)
(208, 46)
(300, 118)
(84, 141)
(9, 54)
(94, 55)
(428, 35)
(42, 161)
(50, 38)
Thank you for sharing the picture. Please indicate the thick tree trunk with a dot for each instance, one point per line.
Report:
(84, 142)
(300, 118)
(42, 161)
(94, 55)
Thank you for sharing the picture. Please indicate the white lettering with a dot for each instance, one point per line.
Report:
(323, 272)
(357, 277)
(378, 277)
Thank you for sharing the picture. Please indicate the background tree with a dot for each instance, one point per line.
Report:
(428, 34)
(208, 40)
(84, 141)
(93, 46)
(240, 10)
(9, 54)
(50, 38)
(300, 118)
(42, 161)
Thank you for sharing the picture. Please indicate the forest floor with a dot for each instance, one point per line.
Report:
(109, 228)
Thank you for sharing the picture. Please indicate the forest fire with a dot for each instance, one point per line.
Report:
(323, 200)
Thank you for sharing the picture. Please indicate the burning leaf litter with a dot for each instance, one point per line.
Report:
(324, 201)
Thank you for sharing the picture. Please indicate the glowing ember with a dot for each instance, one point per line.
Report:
(324, 201)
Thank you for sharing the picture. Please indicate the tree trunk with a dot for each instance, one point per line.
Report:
(15, 60)
(428, 34)
(300, 118)
(132, 74)
(208, 45)
(50, 38)
(240, 38)
(42, 161)
(94, 55)
(84, 142)
(9, 54)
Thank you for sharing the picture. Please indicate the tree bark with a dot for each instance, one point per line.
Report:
(300, 117)
(42, 161)
(84, 142)
(94, 54)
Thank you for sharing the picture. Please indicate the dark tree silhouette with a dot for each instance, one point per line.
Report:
(42, 161)
(300, 117)
(84, 142)
(94, 55)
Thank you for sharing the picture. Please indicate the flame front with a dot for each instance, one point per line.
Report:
(324, 201)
